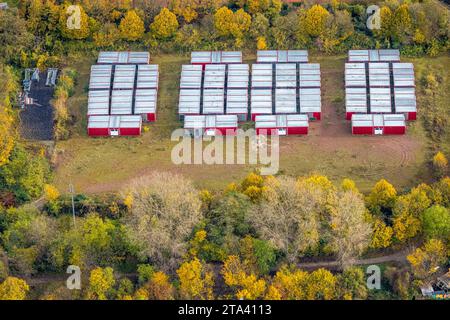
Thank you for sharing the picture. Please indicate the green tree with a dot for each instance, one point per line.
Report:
(24, 175)
(436, 223)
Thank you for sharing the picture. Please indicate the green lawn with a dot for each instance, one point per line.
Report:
(105, 164)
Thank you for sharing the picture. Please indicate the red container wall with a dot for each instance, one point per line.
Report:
(225, 131)
(267, 131)
(129, 131)
(348, 115)
(317, 115)
(151, 117)
(362, 130)
(412, 116)
(297, 130)
(98, 132)
(394, 130)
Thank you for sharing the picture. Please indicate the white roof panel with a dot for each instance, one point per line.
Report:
(124, 76)
(121, 102)
(213, 101)
(237, 101)
(189, 101)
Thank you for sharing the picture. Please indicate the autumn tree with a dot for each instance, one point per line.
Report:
(74, 23)
(232, 24)
(321, 285)
(288, 284)
(101, 282)
(426, 260)
(351, 284)
(440, 164)
(191, 9)
(350, 230)
(402, 23)
(382, 197)
(131, 27)
(8, 83)
(13, 289)
(196, 281)
(382, 234)
(164, 210)
(313, 20)
(385, 31)
(407, 211)
(246, 285)
(288, 217)
(159, 287)
(165, 24)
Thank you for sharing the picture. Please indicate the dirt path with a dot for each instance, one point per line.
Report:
(395, 257)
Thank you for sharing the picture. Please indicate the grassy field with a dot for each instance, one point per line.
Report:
(106, 165)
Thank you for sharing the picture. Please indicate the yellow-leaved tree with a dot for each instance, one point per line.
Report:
(13, 289)
(131, 27)
(313, 21)
(440, 164)
(101, 281)
(247, 286)
(425, 261)
(165, 24)
(232, 24)
(382, 197)
(7, 122)
(196, 282)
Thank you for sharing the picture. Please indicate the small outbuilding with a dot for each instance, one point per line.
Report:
(282, 124)
(204, 58)
(378, 124)
(99, 126)
(211, 125)
(123, 57)
(282, 56)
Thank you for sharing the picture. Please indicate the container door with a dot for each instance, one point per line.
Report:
(114, 132)
(210, 132)
(282, 132)
(378, 131)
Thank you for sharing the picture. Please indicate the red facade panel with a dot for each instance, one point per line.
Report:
(348, 115)
(129, 131)
(411, 116)
(317, 115)
(151, 117)
(98, 132)
(297, 130)
(394, 130)
(362, 130)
